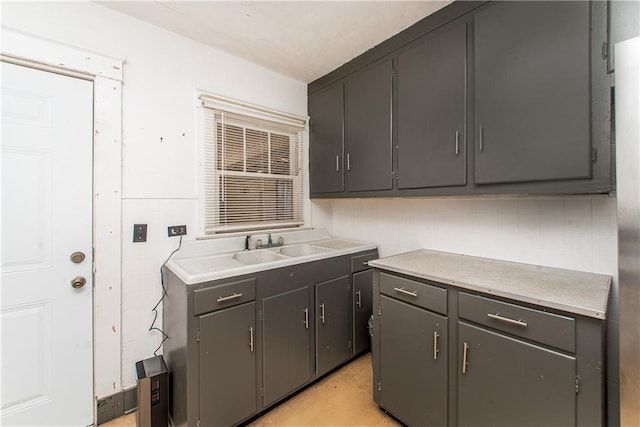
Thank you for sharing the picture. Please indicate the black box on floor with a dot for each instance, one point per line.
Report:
(153, 407)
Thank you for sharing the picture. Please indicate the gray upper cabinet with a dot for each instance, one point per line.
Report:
(333, 335)
(431, 109)
(286, 343)
(227, 338)
(532, 86)
(368, 128)
(325, 140)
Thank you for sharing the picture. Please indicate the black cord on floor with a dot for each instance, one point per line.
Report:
(164, 294)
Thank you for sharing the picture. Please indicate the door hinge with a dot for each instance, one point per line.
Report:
(594, 154)
(379, 387)
(198, 335)
(577, 385)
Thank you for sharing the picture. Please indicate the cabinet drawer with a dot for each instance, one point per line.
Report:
(223, 296)
(359, 262)
(546, 328)
(421, 294)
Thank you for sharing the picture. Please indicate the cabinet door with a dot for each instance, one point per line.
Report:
(532, 103)
(362, 307)
(431, 110)
(507, 382)
(325, 140)
(332, 324)
(227, 365)
(286, 343)
(413, 363)
(368, 128)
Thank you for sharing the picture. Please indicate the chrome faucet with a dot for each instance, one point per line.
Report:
(246, 242)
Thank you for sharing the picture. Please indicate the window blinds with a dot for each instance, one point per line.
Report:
(253, 173)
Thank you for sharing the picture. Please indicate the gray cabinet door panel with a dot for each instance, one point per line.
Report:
(332, 324)
(286, 344)
(532, 92)
(362, 308)
(413, 384)
(509, 382)
(325, 141)
(227, 396)
(368, 128)
(431, 110)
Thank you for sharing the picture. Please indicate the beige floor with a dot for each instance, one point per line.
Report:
(341, 399)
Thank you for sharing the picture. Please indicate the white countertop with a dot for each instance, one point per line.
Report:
(571, 291)
(200, 261)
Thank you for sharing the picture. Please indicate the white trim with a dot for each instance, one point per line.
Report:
(106, 73)
(219, 102)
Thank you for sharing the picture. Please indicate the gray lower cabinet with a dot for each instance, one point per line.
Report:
(286, 343)
(431, 109)
(227, 338)
(503, 381)
(333, 337)
(532, 92)
(413, 363)
(362, 306)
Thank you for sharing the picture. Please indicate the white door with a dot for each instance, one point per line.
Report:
(46, 205)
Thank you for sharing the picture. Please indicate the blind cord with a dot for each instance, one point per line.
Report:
(164, 294)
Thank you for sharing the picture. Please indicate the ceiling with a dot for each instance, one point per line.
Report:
(301, 39)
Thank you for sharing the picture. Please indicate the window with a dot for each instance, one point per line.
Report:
(252, 168)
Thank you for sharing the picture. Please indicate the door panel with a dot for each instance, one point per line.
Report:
(431, 110)
(362, 308)
(413, 382)
(47, 341)
(227, 364)
(332, 324)
(286, 344)
(509, 382)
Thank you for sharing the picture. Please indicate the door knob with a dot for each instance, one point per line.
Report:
(78, 282)
(77, 257)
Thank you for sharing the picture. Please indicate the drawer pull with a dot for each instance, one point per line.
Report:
(436, 335)
(465, 348)
(251, 339)
(359, 299)
(306, 318)
(229, 298)
(507, 320)
(365, 263)
(404, 291)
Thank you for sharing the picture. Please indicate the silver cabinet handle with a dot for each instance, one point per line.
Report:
(365, 263)
(306, 318)
(404, 291)
(348, 162)
(251, 338)
(507, 320)
(337, 163)
(457, 143)
(322, 313)
(228, 298)
(480, 139)
(436, 350)
(465, 348)
(359, 299)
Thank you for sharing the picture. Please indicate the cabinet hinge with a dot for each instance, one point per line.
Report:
(349, 344)
(262, 392)
(379, 387)
(198, 423)
(260, 315)
(577, 385)
(605, 50)
(198, 335)
(379, 311)
(594, 154)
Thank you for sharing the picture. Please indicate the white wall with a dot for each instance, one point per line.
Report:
(159, 149)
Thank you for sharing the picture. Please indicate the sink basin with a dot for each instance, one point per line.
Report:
(257, 257)
(300, 250)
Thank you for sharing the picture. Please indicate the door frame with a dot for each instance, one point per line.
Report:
(106, 74)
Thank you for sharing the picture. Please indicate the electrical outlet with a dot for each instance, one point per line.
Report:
(139, 232)
(177, 230)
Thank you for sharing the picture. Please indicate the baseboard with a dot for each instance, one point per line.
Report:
(116, 405)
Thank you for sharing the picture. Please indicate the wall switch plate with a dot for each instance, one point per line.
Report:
(177, 230)
(139, 232)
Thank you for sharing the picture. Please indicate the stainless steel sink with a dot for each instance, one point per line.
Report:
(257, 257)
(300, 250)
